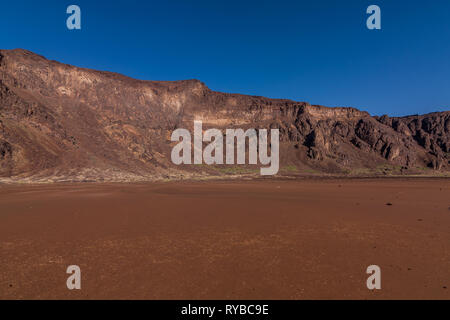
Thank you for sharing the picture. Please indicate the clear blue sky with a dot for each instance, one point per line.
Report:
(316, 51)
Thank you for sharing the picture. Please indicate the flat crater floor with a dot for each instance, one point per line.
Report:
(263, 239)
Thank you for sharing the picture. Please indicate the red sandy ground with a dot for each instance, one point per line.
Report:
(309, 239)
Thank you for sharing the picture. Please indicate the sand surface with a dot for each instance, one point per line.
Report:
(308, 239)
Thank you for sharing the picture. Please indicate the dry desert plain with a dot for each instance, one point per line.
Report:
(261, 239)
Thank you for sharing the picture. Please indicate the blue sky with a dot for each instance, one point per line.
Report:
(316, 51)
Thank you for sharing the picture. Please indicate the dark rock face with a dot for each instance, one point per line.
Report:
(431, 132)
(61, 122)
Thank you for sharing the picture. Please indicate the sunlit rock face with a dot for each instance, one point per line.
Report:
(59, 122)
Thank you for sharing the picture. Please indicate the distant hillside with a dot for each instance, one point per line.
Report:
(63, 123)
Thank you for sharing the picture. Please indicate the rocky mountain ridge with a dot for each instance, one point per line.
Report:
(63, 123)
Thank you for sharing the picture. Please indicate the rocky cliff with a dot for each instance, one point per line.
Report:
(59, 122)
